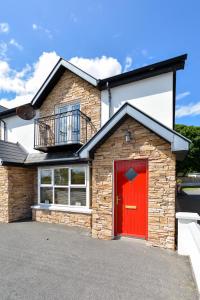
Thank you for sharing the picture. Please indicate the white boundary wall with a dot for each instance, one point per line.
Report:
(189, 240)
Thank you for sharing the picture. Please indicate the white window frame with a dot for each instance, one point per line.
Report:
(69, 119)
(69, 186)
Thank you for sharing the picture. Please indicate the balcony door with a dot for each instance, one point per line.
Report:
(68, 124)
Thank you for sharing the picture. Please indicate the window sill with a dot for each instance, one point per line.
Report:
(81, 210)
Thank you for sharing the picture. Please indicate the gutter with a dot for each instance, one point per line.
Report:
(70, 160)
(8, 113)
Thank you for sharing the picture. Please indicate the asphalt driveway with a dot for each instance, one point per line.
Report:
(46, 261)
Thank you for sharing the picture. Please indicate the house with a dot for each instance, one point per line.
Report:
(99, 154)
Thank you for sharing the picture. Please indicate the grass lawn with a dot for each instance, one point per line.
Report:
(191, 188)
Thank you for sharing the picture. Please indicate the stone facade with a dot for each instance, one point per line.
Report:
(3, 195)
(61, 217)
(72, 89)
(18, 185)
(161, 189)
(17, 193)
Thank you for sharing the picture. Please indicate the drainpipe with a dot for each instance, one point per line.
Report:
(109, 98)
(4, 129)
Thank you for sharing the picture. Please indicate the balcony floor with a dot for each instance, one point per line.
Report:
(70, 146)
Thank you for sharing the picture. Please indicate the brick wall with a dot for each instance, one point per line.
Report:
(161, 191)
(17, 187)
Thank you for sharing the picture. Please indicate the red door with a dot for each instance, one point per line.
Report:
(131, 198)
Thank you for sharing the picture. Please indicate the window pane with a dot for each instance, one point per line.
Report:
(61, 176)
(46, 194)
(78, 196)
(78, 176)
(45, 176)
(61, 196)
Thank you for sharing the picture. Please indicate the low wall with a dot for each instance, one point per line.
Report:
(189, 240)
(62, 217)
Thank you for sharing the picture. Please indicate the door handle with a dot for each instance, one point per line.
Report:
(131, 206)
(117, 199)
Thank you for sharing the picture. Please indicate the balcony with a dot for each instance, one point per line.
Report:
(67, 130)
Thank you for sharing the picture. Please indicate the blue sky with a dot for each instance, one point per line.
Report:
(129, 34)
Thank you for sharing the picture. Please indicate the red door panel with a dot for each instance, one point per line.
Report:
(131, 184)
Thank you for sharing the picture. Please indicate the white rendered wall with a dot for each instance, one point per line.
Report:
(189, 240)
(153, 95)
(22, 131)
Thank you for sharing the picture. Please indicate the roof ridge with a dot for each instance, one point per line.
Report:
(178, 142)
(8, 142)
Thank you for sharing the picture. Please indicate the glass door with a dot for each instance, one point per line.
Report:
(68, 123)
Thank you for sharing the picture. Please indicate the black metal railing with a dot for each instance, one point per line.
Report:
(72, 127)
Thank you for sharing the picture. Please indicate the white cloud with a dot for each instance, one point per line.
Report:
(3, 50)
(14, 43)
(41, 68)
(145, 53)
(17, 101)
(40, 28)
(182, 95)
(4, 27)
(128, 63)
(4, 46)
(25, 83)
(34, 26)
(99, 67)
(192, 109)
(4, 68)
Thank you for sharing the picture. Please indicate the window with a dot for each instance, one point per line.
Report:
(68, 125)
(63, 186)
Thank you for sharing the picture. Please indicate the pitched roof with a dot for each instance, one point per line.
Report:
(169, 65)
(8, 112)
(55, 75)
(12, 153)
(165, 66)
(52, 158)
(2, 108)
(179, 143)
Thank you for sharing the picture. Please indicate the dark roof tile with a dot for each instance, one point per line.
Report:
(12, 153)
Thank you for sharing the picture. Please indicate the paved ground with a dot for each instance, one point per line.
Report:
(46, 261)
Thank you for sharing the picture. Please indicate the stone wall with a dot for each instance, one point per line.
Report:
(17, 189)
(61, 217)
(21, 191)
(161, 190)
(3, 195)
(71, 89)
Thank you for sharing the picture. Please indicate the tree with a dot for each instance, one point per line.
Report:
(192, 162)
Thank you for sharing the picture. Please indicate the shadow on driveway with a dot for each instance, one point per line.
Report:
(47, 261)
